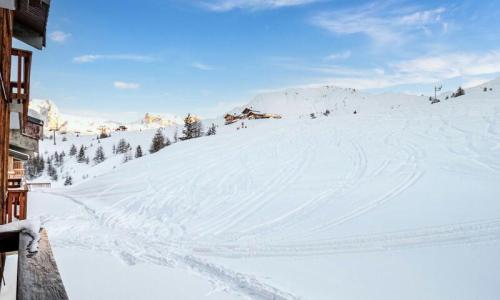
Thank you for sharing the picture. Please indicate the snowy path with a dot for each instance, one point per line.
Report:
(249, 210)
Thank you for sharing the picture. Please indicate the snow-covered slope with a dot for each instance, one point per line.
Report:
(339, 101)
(399, 201)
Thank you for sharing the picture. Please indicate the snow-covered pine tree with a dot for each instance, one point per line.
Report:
(122, 146)
(51, 171)
(313, 116)
(114, 149)
(35, 166)
(56, 159)
(40, 165)
(127, 156)
(72, 151)
(81, 155)
(99, 155)
(158, 142)
(68, 181)
(61, 160)
(138, 152)
(212, 130)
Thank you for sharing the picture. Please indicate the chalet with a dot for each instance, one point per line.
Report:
(20, 131)
(230, 119)
(249, 114)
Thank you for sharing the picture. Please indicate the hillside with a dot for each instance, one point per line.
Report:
(398, 201)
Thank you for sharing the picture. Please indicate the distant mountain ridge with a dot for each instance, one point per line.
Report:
(48, 111)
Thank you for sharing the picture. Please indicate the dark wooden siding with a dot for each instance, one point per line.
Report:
(6, 21)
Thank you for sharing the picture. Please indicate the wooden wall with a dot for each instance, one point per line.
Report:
(6, 24)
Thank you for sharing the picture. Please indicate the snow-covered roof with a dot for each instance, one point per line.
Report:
(34, 114)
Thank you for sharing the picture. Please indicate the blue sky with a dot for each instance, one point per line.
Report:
(120, 59)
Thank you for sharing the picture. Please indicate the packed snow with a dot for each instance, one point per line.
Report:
(397, 201)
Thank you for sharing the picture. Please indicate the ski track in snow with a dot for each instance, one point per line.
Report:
(183, 214)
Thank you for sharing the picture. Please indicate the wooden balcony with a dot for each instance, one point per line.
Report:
(16, 206)
(20, 80)
(33, 128)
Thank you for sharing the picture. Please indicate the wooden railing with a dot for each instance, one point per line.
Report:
(20, 82)
(37, 275)
(20, 85)
(16, 205)
(16, 174)
(41, 185)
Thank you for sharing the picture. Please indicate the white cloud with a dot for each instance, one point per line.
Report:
(472, 68)
(339, 56)
(452, 65)
(227, 5)
(126, 85)
(59, 36)
(383, 23)
(88, 58)
(201, 66)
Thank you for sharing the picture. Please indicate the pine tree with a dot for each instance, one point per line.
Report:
(99, 155)
(192, 128)
(313, 116)
(103, 135)
(68, 181)
(51, 171)
(127, 156)
(35, 166)
(72, 151)
(59, 159)
(158, 142)
(460, 92)
(56, 158)
(212, 130)
(40, 166)
(326, 113)
(114, 149)
(81, 155)
(138, 152)
(122, 146)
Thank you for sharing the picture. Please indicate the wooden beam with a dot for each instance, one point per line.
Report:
(37, 276)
